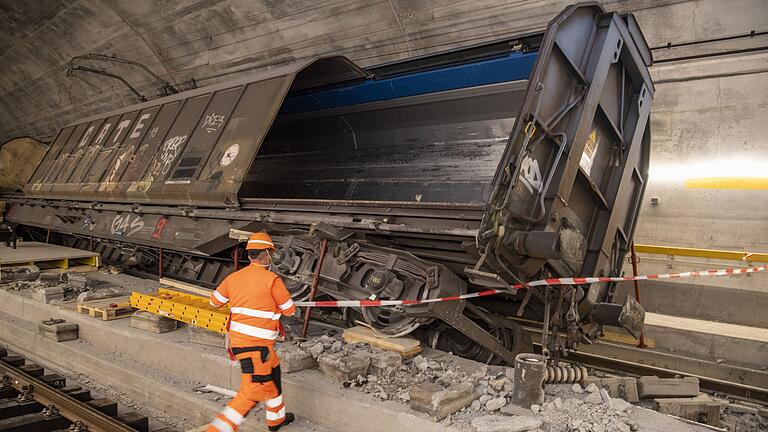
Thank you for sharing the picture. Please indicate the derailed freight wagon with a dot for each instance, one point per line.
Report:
(510, 161)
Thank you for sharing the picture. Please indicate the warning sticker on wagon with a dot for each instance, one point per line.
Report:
(590, 148)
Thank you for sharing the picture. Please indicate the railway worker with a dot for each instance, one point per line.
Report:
(257, 298)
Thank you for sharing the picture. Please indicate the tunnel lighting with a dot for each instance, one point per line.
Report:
(713, 174)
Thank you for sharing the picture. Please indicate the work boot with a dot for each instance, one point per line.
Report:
(289, 417)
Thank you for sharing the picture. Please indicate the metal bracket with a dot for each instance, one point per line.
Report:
(26, 394)
(348, 253)
(50, 411)
(78, 426)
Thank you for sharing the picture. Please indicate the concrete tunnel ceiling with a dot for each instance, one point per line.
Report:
(196, 43)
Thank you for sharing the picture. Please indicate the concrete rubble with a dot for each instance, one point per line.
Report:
(617, 387)
(467, 395)
(475, 397)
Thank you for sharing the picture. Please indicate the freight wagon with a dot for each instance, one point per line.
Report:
(488, 166)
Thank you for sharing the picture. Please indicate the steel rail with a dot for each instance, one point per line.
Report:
(67, 406)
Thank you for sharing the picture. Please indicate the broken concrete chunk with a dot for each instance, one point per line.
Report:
(99, 294)
(153, 323)
(47, 295)
(592, 388)
(293, 358)
(702, 408)
(58, 332)
(19, 273)
(652, 387)
(439, 402)
(317, 349)
(495, 404)
(619, 387)
(383, 361)
(343, 367)
(594, 398)
(493, 423)
(51, 279)
(77, 280)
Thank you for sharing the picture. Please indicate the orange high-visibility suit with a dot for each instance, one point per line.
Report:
(256, 297)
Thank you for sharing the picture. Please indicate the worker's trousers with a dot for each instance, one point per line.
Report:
(259, 382)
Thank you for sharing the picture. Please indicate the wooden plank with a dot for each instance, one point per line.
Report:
(406, 347)
(626, 339)
(194, 289)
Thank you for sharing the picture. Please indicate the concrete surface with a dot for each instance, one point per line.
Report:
(146, 367)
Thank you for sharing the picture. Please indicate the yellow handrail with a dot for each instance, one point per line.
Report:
(703, 253)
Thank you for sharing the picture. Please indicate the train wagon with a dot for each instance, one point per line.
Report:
(485, 167)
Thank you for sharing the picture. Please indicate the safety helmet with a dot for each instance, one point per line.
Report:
(260, 240)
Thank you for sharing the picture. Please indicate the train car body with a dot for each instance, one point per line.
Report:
(522, 159)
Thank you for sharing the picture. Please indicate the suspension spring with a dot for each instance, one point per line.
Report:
(565, 374)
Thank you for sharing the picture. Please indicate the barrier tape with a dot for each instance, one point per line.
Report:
(541, 282)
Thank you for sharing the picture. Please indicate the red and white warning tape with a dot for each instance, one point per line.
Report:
(541, 282)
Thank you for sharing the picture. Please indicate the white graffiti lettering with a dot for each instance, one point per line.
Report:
(85, 136)
(139, 125)
(103, 133)
(212, 122)
(170, 150)
(153, 132)
(123, 124)
(127, 225)
(530, 174)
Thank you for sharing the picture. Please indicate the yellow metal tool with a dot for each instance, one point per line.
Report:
(191, 309)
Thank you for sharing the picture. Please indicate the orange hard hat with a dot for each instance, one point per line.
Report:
(260, 240)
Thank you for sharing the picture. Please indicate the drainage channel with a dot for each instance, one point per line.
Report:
(32, 400)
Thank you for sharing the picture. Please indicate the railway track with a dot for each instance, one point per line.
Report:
(732, 389)
(33, 401)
